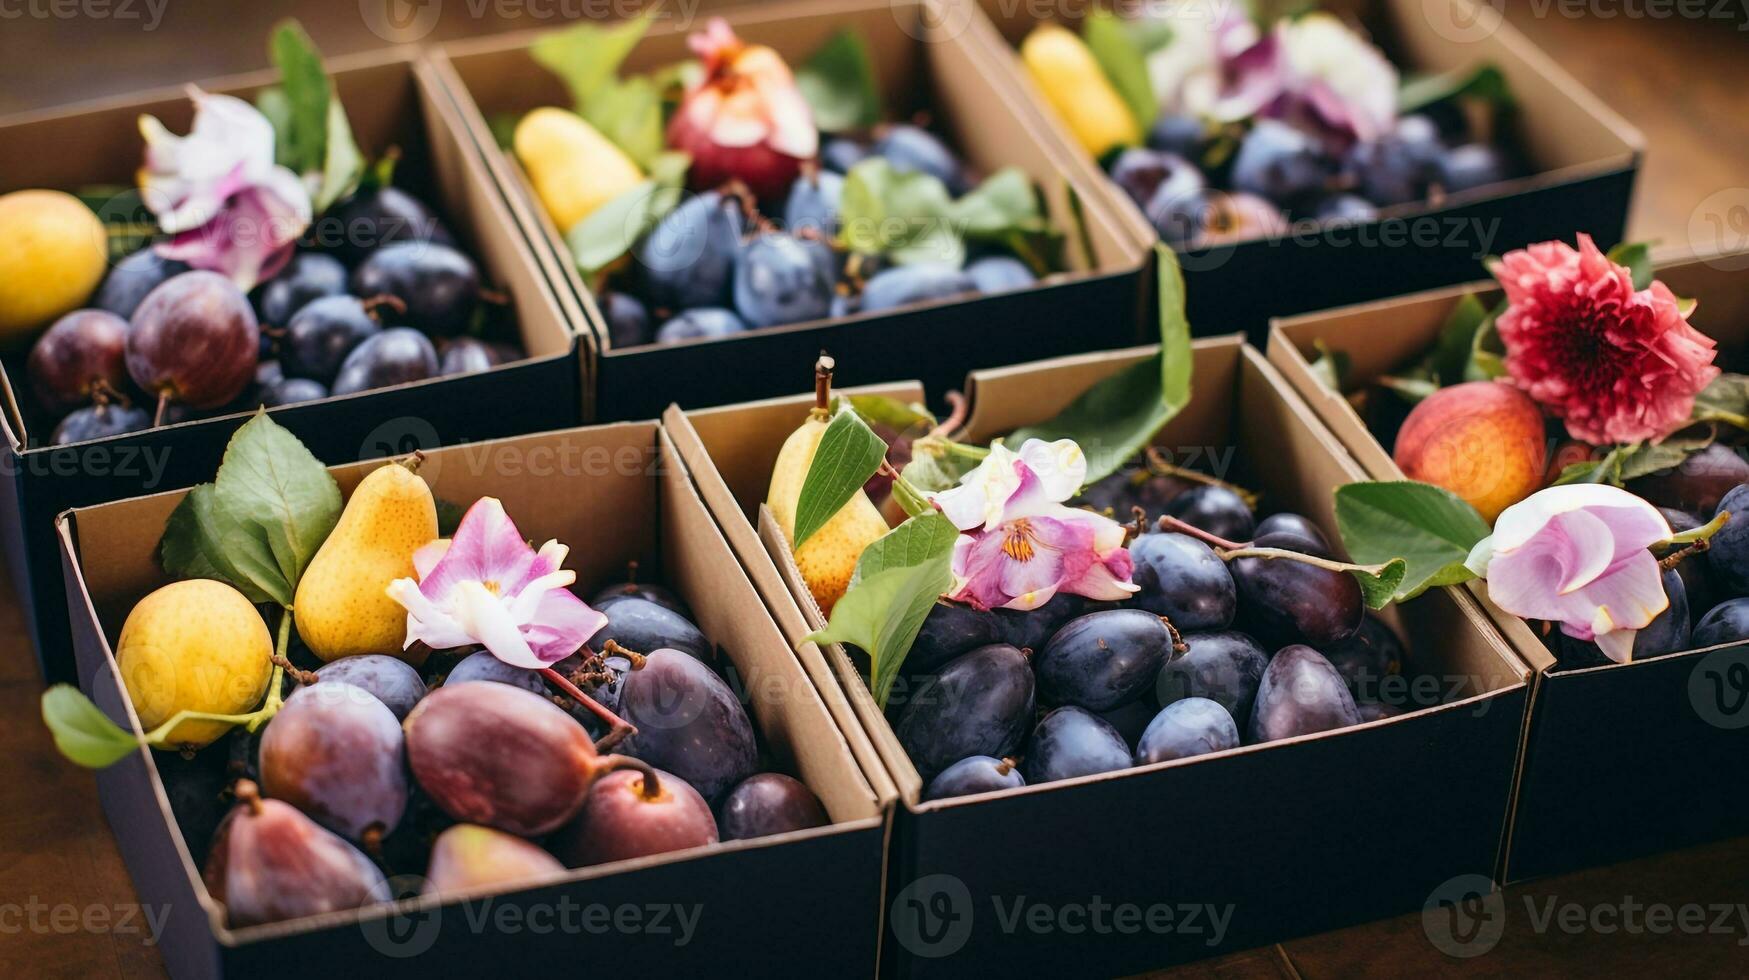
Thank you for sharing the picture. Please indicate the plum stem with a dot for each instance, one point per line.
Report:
(957, 406)
(1676, 558)
(389, 300)
(1006, 765)
(632, 572)
(823, 369)
(614, 647)
(652, 782)
(163, 406)
(1178, 645)
(1169, 523)
(292, 671)
(620, 727)
(412, 461)
(247, 792)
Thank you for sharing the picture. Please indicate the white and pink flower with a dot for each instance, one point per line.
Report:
(1021, 545)
(1578, 556)
(487, 586)
(218, 193)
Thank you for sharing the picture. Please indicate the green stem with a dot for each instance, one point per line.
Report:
(159, 737)
(910, 498)
(1301, 557)
(1702, 533)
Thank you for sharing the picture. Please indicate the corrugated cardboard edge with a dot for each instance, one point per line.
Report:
(674, 477)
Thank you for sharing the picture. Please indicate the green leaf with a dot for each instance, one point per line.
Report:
(1585, 471)
(1457, 339)
(628, 112)
(1725, 400)
(272, 103)
(611, 230)
(1483, 82)
(1121, 60)
(1006, 202)
(839, 83)
(1644, 459)
(1637, 256)
(935, 465)
(342, 163)
(201, 540)
(1330, 367)
(908, 217)
(1410, 389)
(897, 581)
(848, 454)
(586, 56)
(1428, 527)
(1115, 418)
(305, 84)
(82, 732)
(279, 493)
(1380, 584)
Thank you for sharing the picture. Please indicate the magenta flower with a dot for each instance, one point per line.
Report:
(228, 207)
(1615, 363)
(1577, 555)
(488, 587)
(1023, 545)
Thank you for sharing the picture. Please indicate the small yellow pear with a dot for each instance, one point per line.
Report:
(341, 608)
(195, 645)
(52, 255)
(573, 167)
(1072, 81)
(828, 558)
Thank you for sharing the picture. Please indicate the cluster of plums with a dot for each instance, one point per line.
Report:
(1709, 593)
(357, 310)
(475, 773)
(1197, 188)
(1208, 655)
(715, 267)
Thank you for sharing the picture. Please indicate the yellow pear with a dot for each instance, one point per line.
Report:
(573, 167)
(51, 257)
(1072, 81)
(341, 608)
(828, 558)
(196, 645)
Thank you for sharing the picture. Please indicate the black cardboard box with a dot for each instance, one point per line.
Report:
(390, 102)
(810, 900)
(1272, 841)
(1621, 760)
(1583, 156)
(1098, 303)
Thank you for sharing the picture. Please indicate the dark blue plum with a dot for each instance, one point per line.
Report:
(483, 666)
(1103, 659)
(391, 680)
(769, 803)
(628, 322)
(634, 589)
(466, 355)
(1469, 166)
(641, 625)
(1728, 554)
(978, 774)
(1295, 524)
(1142, 173)
(1071, 742)
(1727, 622)
(398, 355)
(1369, 656)
(813, 203)
(689, 723)
(688, 260)
(981, 703)
(1279, 163)
(1397, 167)
(373, 218)
(322, 333)
(437, 285)
(1217, 510)
(1182, 729)
(951, 629)
(1182, 579)
(906, 284)
(912, 149)
(783, 279)
(1031, 629)
(701, 323)
(839, 154)
(1300, 694)
(1182, 135)
(308, 276)
(99, 422)
(999, 274)
(290, 391)
(1131, 719)
(1345, 209)
(132, 278)
(1282, 601)
(1224, 666)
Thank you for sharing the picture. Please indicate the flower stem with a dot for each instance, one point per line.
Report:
(621, 727)
(652, 780)
(1702, 533)
(1169, 523)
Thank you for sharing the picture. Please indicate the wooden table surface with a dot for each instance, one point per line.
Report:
(1682, 82)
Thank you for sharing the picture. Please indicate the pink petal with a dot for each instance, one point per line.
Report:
(486, 619)
(486, 548)
(426, 558)
(562, 623)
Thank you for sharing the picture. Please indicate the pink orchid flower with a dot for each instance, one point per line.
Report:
(488, 587)
(1577, 555)
(228, 207)
(1022, 545)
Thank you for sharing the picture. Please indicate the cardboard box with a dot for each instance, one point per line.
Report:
(1584, 158)
(920, 68)
(389, 103)
(1282, 839)
(1622, 760)
(809, 899)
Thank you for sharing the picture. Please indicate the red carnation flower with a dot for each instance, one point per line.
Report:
(1616, 364)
